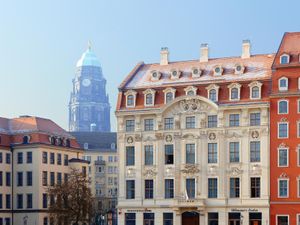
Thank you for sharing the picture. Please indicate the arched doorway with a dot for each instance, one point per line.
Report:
(190, 218)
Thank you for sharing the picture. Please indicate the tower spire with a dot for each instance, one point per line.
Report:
(89, 45)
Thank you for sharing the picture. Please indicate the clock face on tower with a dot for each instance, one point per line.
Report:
(86, 82)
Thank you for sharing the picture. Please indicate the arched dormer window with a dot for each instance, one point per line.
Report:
(155, 75)
(255, 89)
(284, 59)
(149, 97)
(26, 139)
(283, 84)
(175, 74)
(234, 91)
(213, 92)
(218, 70)
(239, 69)
(130, 98)
(283, 107)
(196, 72)
(190, 90)
(169, 94)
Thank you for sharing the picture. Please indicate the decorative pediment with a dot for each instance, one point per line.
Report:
(283, 175)
(283, 145)
(150, 172)
(212, 86)
(190, 169)
(190, 90)
(235, 171)
(234, 85)
(255, 83)
(130, 92)
(193, 105)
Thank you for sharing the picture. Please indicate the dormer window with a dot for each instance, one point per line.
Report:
(169, 94)
(196, 72)
(26, 139)
(284, 59)
(130, 98)
(175, 74)
(283, 84)
(255, 90)
(234, 91)
(149, 96)
(218, 70)
(155, 75)
(190, 90)
(239, 69)
(213, 92)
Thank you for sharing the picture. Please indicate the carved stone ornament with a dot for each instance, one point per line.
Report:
(130, 172)
(282, 145)
(190, 169)
(150, 173)
(233, 134)
(255, 134)
(235, 171)
(130, 140)
(283, 119)
(192, 105)
(283, 175)
(212, 136)
(159, 136)
(169, 138)
(138, 137)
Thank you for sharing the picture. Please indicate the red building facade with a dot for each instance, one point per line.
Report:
(285, 133)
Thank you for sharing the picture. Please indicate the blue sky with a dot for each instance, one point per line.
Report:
(40, 41)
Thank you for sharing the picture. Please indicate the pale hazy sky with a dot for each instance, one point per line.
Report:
(40, 41)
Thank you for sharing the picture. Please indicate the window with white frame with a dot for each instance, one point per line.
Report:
(190, 157)
(190, 122)
(169, 97)
(149, 97)
(212, 153)
(298, 188)
(298, 156)
(190, 90)
(130, 98)
(234, 91)
(283, 157)
(234, 152)
(284, 59)
(255, 92)
(169, 94)
(255, 89)
(283, 84)
(255, 151)
(283, 130)
(283, 188)
(282, 220)
(298, 106)
(283, 107)
(213, 92)
(234, 94)
(255, 119)
(213, 95)
(298, 129)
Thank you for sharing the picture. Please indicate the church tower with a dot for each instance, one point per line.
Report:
(89, 108)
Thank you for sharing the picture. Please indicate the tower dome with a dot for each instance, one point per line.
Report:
(88, 58)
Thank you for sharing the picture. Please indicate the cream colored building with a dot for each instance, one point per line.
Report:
(193, 141)
(34, 153)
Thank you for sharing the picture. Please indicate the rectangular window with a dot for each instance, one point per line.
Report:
(149, 218)
(254, 119)
(19, 201)
(58, 159)
(213, 218)
(29, 157)
(255, 187)
(283, 188)
(52, 158)
(190, 154)
(283, 158)
(234, 120)
(45, 221)
(52, 178)
(1, 178)
(66, 160)
(148, 189)
(169, 154)
(66, 177)
(130, 189)
(190, 188)
(59, 178)
(168, 218)
(255, 218)
(282, 220)
(234, 148)
(149, 124)
(29, 201)
(130, 125)
(169, 188)
(20, 179)
(212, 121)
(45, 157)
(255, 151)
(8, 179)
(7, 158)
(29, 178)
(190, 122)
(234, 187)
(130, 219)
(45, 178)
(1, 157)
(130, 156)
(45, 200)
(148, 155)
(8, 201)
(20, 158)
(212, 153)
(212, 187)
(169, 123)
(1, 201)
(283, 130)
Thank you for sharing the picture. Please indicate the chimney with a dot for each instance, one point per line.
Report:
(164, 56)
(204, 53)
(246, 47)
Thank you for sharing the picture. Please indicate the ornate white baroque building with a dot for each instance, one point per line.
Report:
(193, 141)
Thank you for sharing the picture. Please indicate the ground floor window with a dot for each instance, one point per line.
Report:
(255, 218)
(282, 220)
(148, 218)
(129, 218)
(234, 219)
(213, 218)
(168, 218)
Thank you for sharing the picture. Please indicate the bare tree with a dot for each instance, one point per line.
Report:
(71, 202)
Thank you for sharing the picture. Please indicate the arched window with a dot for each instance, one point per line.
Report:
(149, 99)
(284, 59)
(234, 93)
(283, 84)
(255, 92)
(130, 100)
(283, 107)
(190, 93)
(213, 95)
(169, 97)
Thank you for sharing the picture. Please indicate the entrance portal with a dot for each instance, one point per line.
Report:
(190, 218)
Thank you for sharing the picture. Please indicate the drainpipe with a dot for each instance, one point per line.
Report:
(12, 184)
